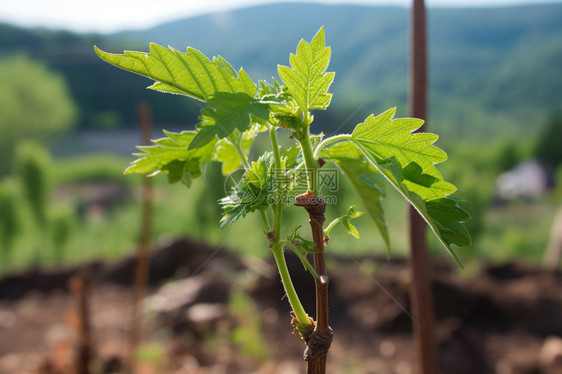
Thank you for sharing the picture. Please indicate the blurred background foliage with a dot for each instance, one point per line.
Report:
(68, 123)
(35, 103)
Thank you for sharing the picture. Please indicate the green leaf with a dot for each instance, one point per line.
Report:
(307, 80)
(229, 112)
(246, 198)
(384, 137)
(350, 228)
(224, 65)
(190, 73)
(414, 173)
(252, 192)
(292, 155)
(408, 161)
(367, 182)
(344, 220)
(273, 92)
(232, 111)
(231, 96)
(448, 215)
(296, 238)
(352, 213)
(172, 156)
(204, 135)
(227, 154)
(182, 171)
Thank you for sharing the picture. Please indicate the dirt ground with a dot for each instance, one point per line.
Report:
(207, 311)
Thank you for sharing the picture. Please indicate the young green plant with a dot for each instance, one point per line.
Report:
(382, 150)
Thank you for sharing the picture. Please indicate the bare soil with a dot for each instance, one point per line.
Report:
(507, 319)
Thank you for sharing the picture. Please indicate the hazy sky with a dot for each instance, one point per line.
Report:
(113, 15)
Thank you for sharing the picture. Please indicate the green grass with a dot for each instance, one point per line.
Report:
(91, 167)
(520, 230)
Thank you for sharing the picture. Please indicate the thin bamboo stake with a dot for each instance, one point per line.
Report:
(420, 292)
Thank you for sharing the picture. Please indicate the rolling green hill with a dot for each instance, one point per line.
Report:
(492, 70)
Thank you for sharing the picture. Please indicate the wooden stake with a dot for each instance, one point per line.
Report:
(80, 286)
(420, 291)
(553, 252)
(143, 254)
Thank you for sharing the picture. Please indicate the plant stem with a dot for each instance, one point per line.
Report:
(277, 219)
(330, 140)
(278, 207)
(302, 257)
(265, 220)
(275, 146)
(319, 340)
(310, 162)
(292, 295)
(316, 226)
(238, 146)
(277, 246)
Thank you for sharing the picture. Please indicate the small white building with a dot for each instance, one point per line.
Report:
(527, 180)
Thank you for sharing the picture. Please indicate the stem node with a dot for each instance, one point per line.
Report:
(314, 205)
(318, 345)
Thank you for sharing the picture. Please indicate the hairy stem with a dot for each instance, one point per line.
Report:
(277, 249)
(277, 246)
(294, 300)
(302, 257)
(324, 143)
(275, 146)
(310, 163)
(265, 220)
(278, 207)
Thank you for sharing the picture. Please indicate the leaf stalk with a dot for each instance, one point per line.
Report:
(290, 291)
(238, 146)
(324, 143)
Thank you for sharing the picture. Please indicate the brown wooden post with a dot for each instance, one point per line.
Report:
(421, 296)
(143, 254)
(79, 284)
(551, 259)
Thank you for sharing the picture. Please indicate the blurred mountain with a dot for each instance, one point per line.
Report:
(492, 70)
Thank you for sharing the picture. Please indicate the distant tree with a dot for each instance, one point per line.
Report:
(548, 149)
(60, 229)
(32, 163)
(506, 154)
(34, 104)
(10, 221)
